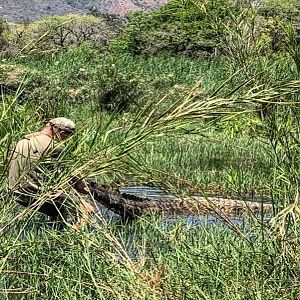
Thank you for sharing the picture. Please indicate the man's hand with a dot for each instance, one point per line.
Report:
(87, 210)
(80, 185)
(86, 207)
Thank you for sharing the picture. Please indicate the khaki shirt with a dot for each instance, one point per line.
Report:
(24, 169)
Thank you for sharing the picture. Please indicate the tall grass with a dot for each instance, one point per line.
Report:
(229, 133)
(167, 262)
(149, 259)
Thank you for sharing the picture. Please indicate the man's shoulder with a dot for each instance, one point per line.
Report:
(38, 137)
(38, 141)
(37, 134)
(22, 143)
(26, 138)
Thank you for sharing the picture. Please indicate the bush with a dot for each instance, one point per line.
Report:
(16, 78)
(181, 27)
(285, 9)
(75, 77)
(194, 28)
(278, 14)
(107, 87)
(3, 29)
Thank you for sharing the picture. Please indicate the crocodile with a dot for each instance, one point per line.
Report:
(129, 206)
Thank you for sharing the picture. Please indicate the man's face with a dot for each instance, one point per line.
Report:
(63, 134)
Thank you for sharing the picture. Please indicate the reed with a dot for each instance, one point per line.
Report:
(200, 126)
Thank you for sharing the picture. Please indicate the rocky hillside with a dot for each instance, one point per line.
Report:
(22, 10)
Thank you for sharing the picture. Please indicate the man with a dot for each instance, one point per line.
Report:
(29, 166)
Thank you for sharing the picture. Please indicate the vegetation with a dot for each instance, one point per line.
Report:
(222, 120)
(60, 32)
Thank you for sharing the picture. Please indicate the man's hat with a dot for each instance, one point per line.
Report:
(63, 124)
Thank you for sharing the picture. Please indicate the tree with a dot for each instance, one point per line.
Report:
(60, 32)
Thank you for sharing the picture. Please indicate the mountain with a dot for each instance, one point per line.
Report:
(22, 10)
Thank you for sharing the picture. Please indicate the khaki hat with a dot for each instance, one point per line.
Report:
(63, 124)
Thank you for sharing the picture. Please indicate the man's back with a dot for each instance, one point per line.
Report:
(27, 153)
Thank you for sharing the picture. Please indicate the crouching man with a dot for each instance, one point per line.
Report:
(28, 168)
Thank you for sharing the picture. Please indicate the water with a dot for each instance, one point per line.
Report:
(148, 192)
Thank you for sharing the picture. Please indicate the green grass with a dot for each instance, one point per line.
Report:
(210, 162)
(83, 76)
(187, 149)
(161, 262)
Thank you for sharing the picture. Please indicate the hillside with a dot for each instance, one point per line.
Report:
(17, 11)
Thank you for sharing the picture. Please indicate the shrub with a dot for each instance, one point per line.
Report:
(237, 28)
(112, 89)
(286, 9)
(278, 13)
(179, 27)
(185, 27)
(3, 29)
(75, 77)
